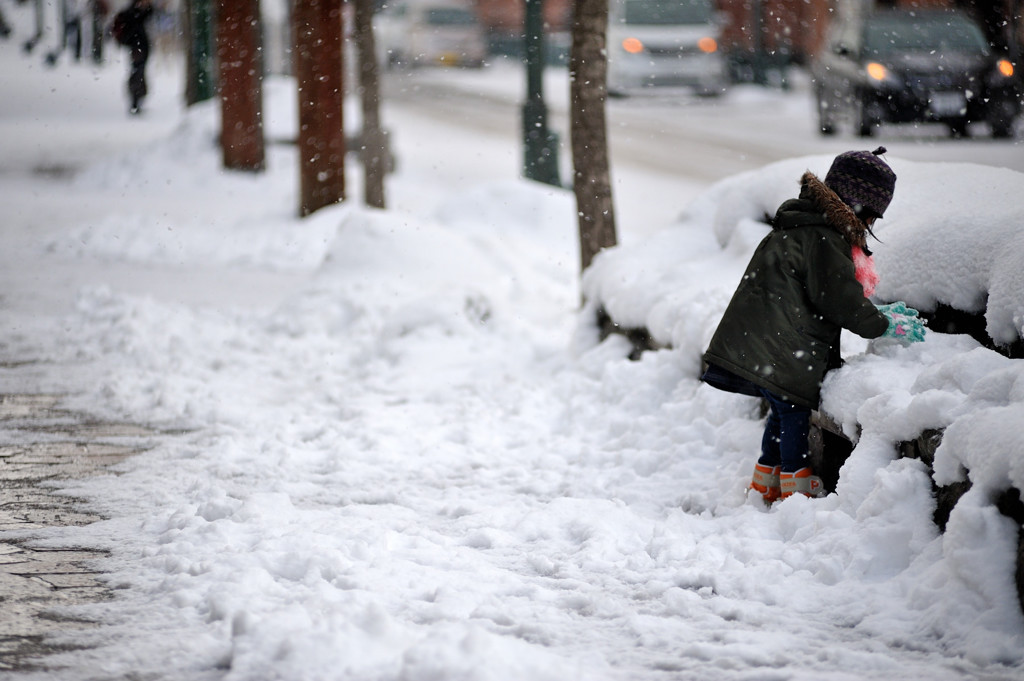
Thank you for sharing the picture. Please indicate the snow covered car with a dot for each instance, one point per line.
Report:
(896, 66)
(429, 32)
(656, 43)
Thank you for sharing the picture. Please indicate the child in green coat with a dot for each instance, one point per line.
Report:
(807, 280)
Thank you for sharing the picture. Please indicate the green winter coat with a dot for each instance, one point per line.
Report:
(797, 293)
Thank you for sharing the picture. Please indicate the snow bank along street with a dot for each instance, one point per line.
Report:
(404, 453)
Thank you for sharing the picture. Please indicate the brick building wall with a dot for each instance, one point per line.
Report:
(506, 16)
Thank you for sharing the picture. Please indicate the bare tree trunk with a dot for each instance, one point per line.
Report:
(588, 70)
(374, 151)
(241, 89)
(319, 69)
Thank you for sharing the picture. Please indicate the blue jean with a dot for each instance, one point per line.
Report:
(785, 434)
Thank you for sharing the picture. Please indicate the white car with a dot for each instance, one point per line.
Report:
(429, 32)
(658, 43)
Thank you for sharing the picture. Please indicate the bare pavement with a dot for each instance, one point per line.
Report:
(39, 581)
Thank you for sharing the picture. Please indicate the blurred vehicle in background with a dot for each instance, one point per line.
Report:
(896, 66)
(657, 43)
(429, 32)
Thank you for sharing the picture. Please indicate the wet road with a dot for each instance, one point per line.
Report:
(692, 138)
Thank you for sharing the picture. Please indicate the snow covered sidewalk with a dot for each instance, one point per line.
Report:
(410, 458)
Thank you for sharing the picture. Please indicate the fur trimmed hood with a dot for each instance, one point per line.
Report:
(839, 215)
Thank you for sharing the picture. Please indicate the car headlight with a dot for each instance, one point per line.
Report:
(1001, 75)
(879, 75)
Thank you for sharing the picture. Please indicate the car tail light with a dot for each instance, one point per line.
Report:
(707, 44)
(1005, 67)
(633, 45)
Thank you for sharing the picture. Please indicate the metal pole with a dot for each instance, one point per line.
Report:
(540, 145)
(760, 78)
(200, 85)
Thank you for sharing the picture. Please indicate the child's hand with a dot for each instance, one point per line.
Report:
(904, 324)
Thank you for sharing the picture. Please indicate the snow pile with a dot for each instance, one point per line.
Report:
(954, 236)
(220, 218)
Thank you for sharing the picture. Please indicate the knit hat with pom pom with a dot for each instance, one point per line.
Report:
(863, 181)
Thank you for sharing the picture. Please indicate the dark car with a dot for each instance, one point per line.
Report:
(898, 66)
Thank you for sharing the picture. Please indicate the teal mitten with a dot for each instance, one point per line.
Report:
(904, 324)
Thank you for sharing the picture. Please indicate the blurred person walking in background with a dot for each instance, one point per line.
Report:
(69, 17)
(129, 29)
(74, 9)
(5, 28)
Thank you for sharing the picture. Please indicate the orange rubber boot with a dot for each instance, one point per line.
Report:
(803, 481)
(766, 482)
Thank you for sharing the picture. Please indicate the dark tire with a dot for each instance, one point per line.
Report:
(862, 126)
(826, 126)
(958, 129)
(1002, 129)
(710, 92)
(1001, 117)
